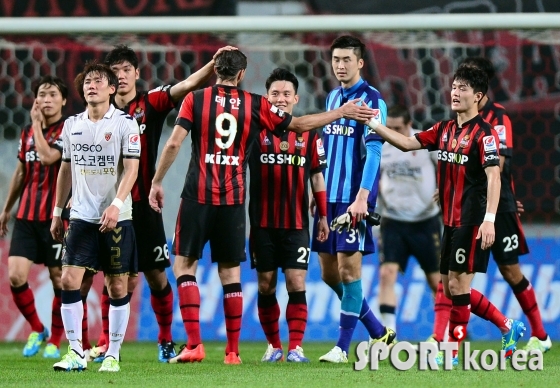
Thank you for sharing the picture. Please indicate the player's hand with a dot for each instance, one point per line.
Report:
(435, 196)
(4, 219)
(156, 197)
(36, 114)
(358, 209)
(487, 233)
(520, 208)
(362, 113)
(109, 219)
(222, 49)
(343, 221)
(312, 206)
(57, 229)
(322, 229)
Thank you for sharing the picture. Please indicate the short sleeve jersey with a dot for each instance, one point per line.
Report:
(224, 121)
(463, 154)
(345, 144)
(38, 196)
(95, 151)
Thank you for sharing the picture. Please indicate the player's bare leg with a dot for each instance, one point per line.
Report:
(230, 276)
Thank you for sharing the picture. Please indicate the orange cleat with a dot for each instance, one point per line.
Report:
(189, 355)
(232, 358)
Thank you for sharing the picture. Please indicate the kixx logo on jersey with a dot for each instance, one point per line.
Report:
(452, 157)
(218, 158)
(108, 136)
(489, 143)
(300, 143)
(464, 141)
(134, 143)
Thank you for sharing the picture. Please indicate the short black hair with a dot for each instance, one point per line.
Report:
(482, 63)
(279, 74)
(229, 63)
(121, 53)
(103, 70)
(397, 111)
(52, 80)
(474, 77)
(349, 42)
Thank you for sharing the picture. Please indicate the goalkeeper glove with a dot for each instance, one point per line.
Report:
(345, 221)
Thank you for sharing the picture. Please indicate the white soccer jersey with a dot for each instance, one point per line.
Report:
(407, 184)
(95, 151)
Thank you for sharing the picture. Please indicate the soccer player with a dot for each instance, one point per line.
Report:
(281, 168)
(100, 165)
(149, 109)
(469, 191)
(410, 224)
(351, 178)
(510, 239)
(224, 121)
(33, 183)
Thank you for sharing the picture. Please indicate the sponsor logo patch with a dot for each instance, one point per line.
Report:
(320, 148)
(489, 143)
(134, 143)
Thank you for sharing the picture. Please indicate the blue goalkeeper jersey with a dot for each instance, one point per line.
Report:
(345, 144)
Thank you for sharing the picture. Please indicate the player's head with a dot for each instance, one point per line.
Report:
(481, 63)
(398, 119)
(96, 84)
(347, 58)
(281, 89)
(51, 93)
(470, 84)
(124, 63)
(230, 66)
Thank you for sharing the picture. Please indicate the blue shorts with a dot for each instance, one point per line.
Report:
(356, 240)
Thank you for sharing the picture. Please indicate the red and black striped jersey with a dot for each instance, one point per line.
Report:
(280, 168)
(224, 122)
(496, 115)
(38, 196)
(150, 110)
(463, 154)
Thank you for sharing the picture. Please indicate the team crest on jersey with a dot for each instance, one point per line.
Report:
(266, 141)
(108, 136)
(501, 130)
(464, 141)
(138, 113)
(489, 144)
(284, 146)
(300, 143)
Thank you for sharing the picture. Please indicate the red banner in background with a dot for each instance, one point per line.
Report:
(13, 327)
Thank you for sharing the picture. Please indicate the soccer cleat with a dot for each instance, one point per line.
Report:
(51, 351)
(232, 359)
(390, 338)
(34, 342)
(335, 355)
(189, 355)
(510, 339)
(273, 354)
(296, 355)
(110, 364)
(440, 359)
(166, 351)
(536, 344)
(97, 353)
(70, 362)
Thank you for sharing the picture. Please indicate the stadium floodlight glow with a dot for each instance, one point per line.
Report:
(306, 23)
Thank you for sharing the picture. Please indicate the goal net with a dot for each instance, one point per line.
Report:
(413, 68)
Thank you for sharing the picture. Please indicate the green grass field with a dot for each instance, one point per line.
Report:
(141, 369)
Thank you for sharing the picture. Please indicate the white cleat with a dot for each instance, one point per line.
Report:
(110, 364)
(536, 344)
(335, 355)
(71, 362)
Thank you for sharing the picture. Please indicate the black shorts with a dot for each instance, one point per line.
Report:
(114, 253)
(153, 252)
(279, 248)
(33, 240)
(510, 240)
(399, 240)
(222, 225)
(461, 251)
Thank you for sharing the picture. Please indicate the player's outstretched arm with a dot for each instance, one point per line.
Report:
(63, 187)
(196, 79)
(14, 191)
(350, 110)
(487, 231)
(47, 154)
(403, 143)
(168, 156)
